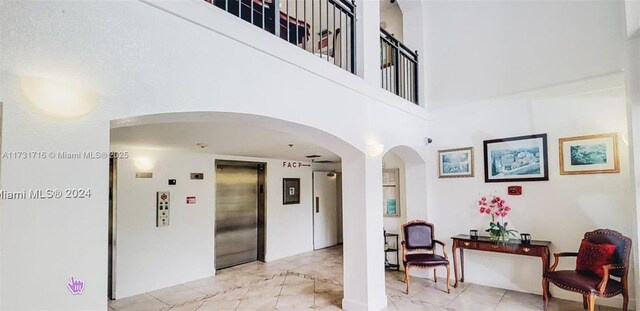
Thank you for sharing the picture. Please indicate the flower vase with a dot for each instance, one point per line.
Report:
(499, 236)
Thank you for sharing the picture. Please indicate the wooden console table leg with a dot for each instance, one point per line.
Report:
(454, 249)
(545, 267)
(462, 264)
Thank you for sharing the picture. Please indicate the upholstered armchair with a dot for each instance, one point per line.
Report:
(419, 250)
(603, 254)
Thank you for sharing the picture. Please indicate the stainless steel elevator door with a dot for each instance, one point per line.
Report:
(236, 236)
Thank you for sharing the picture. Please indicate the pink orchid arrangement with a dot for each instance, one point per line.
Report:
(496, 207)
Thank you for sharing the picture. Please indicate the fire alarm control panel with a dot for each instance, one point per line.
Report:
(514, 190)
(162, 208)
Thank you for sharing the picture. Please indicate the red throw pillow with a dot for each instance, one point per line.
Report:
(592, 256)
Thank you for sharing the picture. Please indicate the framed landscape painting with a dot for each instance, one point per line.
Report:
(455, 162)
(592, 154)
(522, 158)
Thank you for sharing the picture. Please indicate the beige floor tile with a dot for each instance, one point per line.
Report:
(219, 305)
(324, 287)
(260, 290)
(328, 299)
(297, 302)
(258, 304)
(138, 302)
(435, 296)
(477, 298)
(409, 306)
(177, 294)
(313, 280)
(234, 294)
(523, 301)
(192, 306)
(297, 289)
(278, 280)
(292, 279)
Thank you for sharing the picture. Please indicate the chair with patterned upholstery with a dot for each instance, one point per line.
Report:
(419, 250)
(603, 254)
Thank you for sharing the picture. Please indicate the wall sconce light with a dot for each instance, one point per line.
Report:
(375, 150)
(59, 98)
(143, 164)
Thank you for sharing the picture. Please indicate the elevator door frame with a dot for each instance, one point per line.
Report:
(111, 257)
(261, 168)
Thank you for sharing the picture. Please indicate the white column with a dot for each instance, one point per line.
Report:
(633, 108)
(368, 41)
(364, 279)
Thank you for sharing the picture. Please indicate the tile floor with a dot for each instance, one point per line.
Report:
(313, 281)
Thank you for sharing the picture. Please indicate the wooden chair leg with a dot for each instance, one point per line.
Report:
(584, 301)
(592, 302)
(545, 290)
(405, 274)
(407, 279)
(448, 276)
(625, 300)
(435, 276)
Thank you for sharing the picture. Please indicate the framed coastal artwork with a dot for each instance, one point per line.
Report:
(455, 163)
(591, 154)
(522, 158)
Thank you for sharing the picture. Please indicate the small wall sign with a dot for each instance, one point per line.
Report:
(294, 164)
(191, 200)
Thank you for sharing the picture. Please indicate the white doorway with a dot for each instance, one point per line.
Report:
(327, 209)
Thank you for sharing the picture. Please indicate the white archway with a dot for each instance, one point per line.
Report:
(362, 250)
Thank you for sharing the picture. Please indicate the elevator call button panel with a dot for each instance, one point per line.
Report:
(162, 208)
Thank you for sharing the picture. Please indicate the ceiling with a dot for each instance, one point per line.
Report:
(222, 138)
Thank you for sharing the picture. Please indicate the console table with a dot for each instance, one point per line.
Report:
(515, 247)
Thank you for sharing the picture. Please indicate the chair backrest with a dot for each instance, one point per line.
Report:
(622, 243)
(418, 234)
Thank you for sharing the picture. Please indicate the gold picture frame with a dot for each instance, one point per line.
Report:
(589, 154)
(455, 163)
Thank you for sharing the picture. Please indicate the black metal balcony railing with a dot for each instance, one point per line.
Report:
(398, 68)
(325, 28)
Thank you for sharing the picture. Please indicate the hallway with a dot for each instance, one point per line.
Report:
(313, 281)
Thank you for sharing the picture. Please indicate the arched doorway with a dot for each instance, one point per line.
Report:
(405, 199)
(178, 145)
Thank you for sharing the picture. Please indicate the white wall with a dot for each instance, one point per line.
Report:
(560, 210)
(150, 258)
(289, 227)
(165, 57)
(484, 49)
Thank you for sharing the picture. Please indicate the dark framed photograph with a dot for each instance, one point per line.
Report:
(591, 154)
(291, 191)
(522, 158)
(455, 162)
